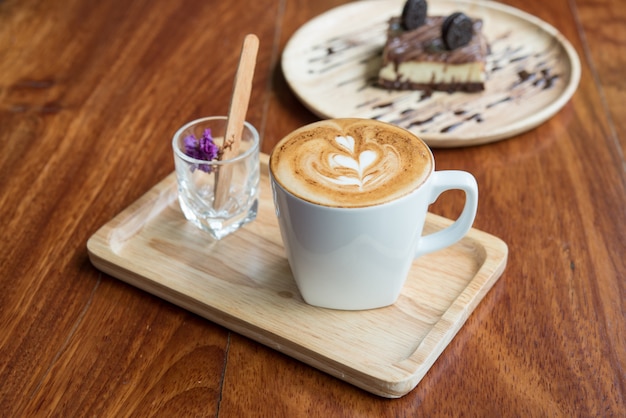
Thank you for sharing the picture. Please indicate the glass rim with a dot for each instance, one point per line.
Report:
(179, 153)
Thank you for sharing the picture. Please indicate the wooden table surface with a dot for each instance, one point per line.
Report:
(90, 94)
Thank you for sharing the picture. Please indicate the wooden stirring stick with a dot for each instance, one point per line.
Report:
(236, 115)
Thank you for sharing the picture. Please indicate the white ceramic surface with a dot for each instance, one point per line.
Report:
(331, 63)
(359, 258)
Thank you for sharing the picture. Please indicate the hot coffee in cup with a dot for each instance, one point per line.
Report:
(351, 163)
(351, 196)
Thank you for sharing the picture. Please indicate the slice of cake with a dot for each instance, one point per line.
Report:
(444, 53)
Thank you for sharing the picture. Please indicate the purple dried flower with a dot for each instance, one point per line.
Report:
(207, 146)
(201, 149)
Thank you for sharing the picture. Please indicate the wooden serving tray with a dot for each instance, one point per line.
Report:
(244, 283)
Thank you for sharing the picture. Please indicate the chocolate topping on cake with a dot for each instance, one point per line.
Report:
(425, 44)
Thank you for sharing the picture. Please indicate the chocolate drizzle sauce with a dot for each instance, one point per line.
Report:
(497, 102)
(476, 116)
(423, 121)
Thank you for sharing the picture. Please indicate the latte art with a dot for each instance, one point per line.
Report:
(350, 162)
(366, 170)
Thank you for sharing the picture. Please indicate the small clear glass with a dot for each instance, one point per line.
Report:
(197, 179)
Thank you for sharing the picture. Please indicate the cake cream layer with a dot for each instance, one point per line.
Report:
(437, 76)
(418, 59)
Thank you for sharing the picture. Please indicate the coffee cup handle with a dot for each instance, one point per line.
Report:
(451, 180)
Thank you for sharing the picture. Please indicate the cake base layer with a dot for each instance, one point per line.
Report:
(450, 87)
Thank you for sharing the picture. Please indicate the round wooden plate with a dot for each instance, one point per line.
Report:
(331, 63)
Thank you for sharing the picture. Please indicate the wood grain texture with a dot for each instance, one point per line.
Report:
(90, 94)
(600, 23)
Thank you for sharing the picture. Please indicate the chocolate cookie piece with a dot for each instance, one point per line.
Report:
(456, 30)
(414, 14)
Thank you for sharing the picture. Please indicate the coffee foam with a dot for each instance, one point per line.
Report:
(350, 162)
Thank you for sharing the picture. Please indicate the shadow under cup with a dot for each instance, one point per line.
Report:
(355, 258)
(198, 178)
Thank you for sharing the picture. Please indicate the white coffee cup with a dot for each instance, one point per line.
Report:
(357, 256)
